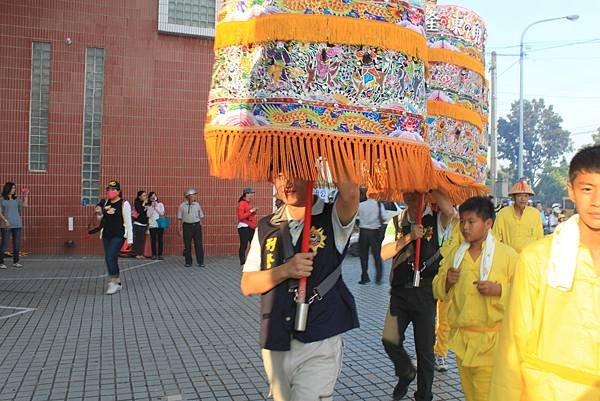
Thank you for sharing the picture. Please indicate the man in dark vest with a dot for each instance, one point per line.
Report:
(302, 365)
(411, 300)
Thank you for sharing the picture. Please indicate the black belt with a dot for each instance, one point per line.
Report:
(193, 223)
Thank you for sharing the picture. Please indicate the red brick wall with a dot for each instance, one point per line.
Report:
(155, 94)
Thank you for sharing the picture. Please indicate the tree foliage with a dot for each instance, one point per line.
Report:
(544, 140)
(596, 137)
(552, 184)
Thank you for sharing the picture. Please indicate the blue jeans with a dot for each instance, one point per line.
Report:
(112, 247)
(16, 239)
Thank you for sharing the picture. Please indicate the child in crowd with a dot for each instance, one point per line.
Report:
(475, 278)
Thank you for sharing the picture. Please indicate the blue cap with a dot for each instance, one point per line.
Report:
(248, 190)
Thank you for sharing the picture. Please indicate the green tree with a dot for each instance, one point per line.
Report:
(544, 140)
(596, 137)
(552, 183)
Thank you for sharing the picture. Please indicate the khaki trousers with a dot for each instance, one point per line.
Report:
(307, 372)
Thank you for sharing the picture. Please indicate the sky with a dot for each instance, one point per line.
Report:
(565, 74)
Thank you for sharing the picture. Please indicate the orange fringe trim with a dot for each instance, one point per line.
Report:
(457, 187)
(321, 28)
(386, 166)
(456, 58)
(439, 108)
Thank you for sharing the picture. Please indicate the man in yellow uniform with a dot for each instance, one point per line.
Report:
(519, 224)
(550, 341)
(475, 277)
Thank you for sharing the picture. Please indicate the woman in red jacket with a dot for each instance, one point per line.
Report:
(246, 214)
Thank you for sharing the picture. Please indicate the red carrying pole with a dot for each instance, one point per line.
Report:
(419, 221)
(301, 297)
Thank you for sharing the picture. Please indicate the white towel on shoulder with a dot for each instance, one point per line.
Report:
(563, 256)
(485, 266)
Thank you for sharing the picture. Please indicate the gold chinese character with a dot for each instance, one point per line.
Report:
(270, 244)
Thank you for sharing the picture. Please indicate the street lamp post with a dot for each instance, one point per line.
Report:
(521, 57)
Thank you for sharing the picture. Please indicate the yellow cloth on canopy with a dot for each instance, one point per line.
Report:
(475, 319)
(515, 232)
(550, 341)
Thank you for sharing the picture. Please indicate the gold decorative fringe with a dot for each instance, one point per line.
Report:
(457, 187)
(439, 108)
(386, 166)
(456, 58)
(321, 28)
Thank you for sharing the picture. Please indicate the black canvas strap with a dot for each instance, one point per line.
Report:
(327, 284)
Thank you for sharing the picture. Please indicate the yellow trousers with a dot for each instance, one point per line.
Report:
(475, 381)
(442, 329)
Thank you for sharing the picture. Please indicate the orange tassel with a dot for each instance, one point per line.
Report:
(387, 166)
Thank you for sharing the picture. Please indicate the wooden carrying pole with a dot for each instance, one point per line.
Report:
(302, 306)
(419, 221)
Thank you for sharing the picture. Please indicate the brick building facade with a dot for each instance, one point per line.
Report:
(92, 91)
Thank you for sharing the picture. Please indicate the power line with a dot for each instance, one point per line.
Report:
(558, 45)
(593, 41)
(542, 42)
(507, 69)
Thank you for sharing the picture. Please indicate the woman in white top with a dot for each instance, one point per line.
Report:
(155, 210)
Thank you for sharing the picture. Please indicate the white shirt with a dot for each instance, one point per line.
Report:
(341, 235)
(369, 212)
(154, 213)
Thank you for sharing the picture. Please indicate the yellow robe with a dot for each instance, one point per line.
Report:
(518, 233)
(475, 319)
(550, 341)
(442, 329)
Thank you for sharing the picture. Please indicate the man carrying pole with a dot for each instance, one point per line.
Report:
(411, 293)
(302, 363)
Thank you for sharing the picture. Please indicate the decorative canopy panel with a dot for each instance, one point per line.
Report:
(302, 84)
(457, 100)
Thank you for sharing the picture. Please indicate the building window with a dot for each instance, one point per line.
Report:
(92, 125)
(187, 17)
(41, 54)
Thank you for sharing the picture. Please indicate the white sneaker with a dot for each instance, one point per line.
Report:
(112, 288)
(440, 364)
(2, 266)
(17, 265)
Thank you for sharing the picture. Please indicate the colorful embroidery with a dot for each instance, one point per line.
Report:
(457, 85)
(363, 76)
(457, 146)
(408, 14)
(456, 28)
(320, 117)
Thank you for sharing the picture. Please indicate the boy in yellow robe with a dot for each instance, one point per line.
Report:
(550, 341)
(475, 277)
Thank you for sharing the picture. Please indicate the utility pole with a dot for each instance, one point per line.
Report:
(493, 131)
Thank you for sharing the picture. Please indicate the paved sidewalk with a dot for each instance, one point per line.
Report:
(172, 334)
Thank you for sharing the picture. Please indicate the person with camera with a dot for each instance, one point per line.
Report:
(155, 210)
